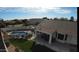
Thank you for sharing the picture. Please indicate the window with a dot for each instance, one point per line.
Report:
(54, 35)
(45, 36)
(66, 37)
(60, 36)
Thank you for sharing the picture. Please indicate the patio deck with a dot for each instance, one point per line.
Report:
(57, 46)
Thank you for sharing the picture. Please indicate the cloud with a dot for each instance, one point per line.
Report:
(48, 10)
(38, 10)
(9, 9)
(26, 12)
(38, 3)
(62, 11)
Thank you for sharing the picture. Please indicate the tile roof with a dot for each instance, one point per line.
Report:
(50, 26)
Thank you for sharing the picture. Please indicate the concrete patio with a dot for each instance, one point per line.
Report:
(57, 46)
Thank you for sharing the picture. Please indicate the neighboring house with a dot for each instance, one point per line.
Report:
(58, 35)
(16, 25)
(17, 28)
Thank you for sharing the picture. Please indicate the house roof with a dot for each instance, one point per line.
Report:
(51, 26)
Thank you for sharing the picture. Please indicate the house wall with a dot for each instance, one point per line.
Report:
(72, 40)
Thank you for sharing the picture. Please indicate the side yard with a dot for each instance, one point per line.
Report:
(24, 45)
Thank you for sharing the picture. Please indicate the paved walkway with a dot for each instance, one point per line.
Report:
(11, 48)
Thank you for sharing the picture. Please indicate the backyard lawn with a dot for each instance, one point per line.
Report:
(24, 45)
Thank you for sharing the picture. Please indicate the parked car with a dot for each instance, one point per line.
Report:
(19, 34)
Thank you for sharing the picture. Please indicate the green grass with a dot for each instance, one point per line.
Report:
(24, 45)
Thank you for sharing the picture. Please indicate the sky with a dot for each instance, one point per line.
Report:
(9, 13)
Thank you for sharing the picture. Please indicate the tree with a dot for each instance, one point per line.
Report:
(62, 18)
(16, 21)
(24, 20)
(45, 18)
(1, 20)
(2, 24)
(55, 18)
(66, 19)
(71, 18)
